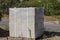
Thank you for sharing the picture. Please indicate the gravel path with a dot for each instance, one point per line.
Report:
(49, 26)
(4, 22)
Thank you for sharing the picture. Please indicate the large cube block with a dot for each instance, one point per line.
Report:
(26, 22)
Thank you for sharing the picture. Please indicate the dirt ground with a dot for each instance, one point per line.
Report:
(51, 38)
(49, 18)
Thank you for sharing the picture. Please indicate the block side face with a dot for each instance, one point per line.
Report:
(39, 22)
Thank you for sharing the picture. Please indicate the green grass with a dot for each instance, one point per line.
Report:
(5, 27)
(58, 17)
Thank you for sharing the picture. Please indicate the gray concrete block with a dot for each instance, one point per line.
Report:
(26, 22)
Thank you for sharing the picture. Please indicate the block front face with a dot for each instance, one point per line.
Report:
(22, 22)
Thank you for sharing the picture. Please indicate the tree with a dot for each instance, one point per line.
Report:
(49, 6)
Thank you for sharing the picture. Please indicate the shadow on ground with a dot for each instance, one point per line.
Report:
(50, 34)
(4, 33)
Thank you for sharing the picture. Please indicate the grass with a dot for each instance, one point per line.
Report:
(52, 18)
(5, 27)
(49, 18)
(58, 17)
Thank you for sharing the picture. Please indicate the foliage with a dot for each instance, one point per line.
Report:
(51, 7)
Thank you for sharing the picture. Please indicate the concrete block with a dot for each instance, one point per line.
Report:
(26, 22)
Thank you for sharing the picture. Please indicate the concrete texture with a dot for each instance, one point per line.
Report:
(26, 22)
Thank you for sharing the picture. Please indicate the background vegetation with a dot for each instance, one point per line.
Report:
(51, 7)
